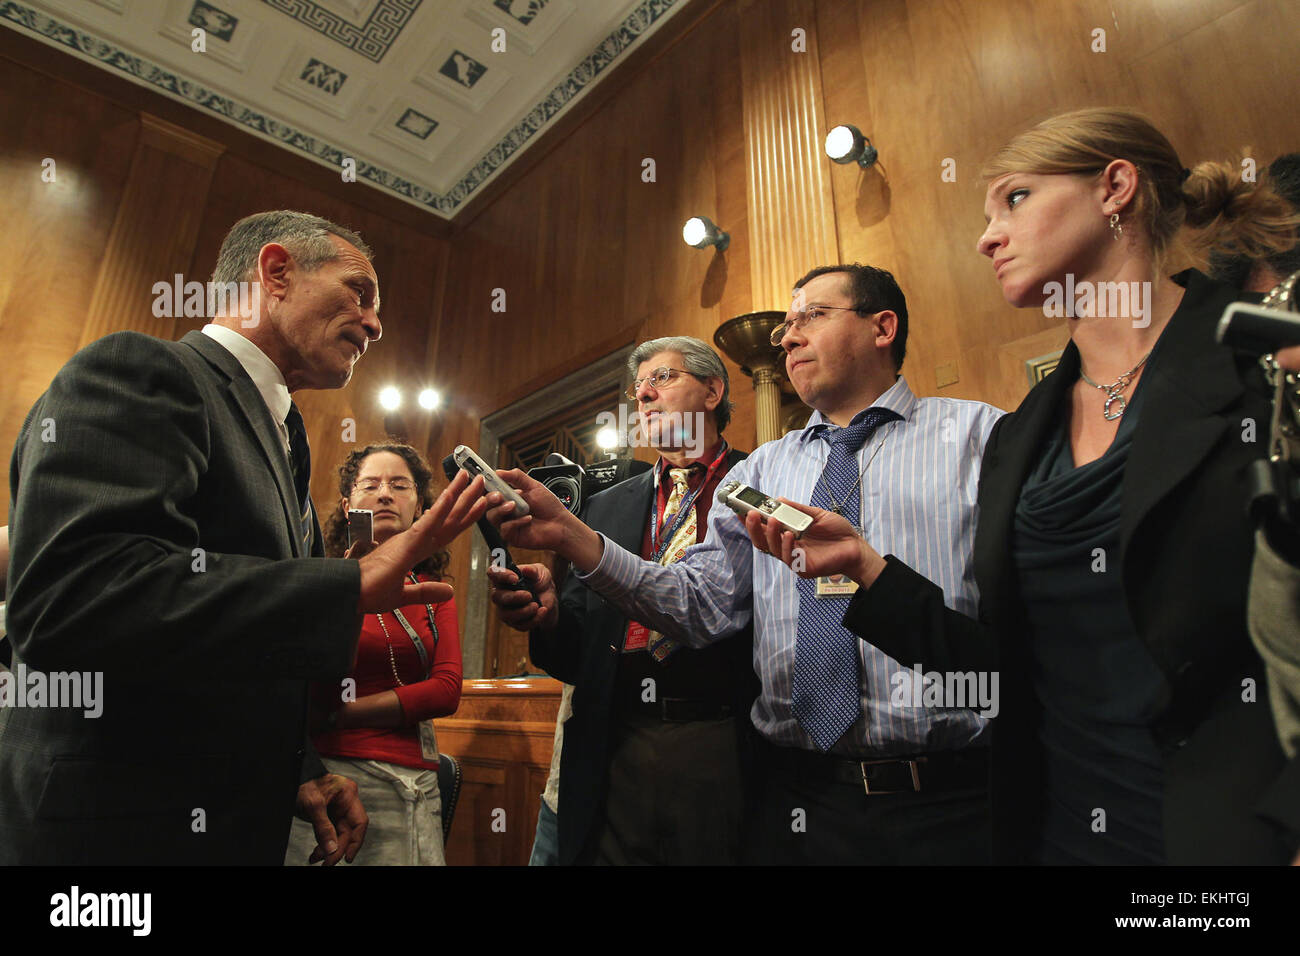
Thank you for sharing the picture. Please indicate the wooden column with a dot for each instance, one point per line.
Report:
(791, 210)
(154, 231)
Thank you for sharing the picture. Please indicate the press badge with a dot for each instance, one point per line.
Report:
(638, 637)
(428, 742)
(836, 585)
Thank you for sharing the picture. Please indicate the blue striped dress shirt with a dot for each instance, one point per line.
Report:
(917, 503)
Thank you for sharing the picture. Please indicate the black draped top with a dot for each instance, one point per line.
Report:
(1098, 685)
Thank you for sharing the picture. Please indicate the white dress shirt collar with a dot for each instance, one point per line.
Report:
(899, 397)
(264, 373)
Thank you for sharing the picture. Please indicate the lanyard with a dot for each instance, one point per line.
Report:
(684, 510)
(415, 638)
(838, 506)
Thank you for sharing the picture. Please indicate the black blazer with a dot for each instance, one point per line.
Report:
(583, 649)
(1186, 548)
(162, 448)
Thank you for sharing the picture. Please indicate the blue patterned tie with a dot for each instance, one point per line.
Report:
(825, 693)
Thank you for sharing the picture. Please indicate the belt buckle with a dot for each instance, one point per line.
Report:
(912, 765)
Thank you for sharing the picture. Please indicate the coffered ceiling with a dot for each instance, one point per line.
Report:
(428, 99)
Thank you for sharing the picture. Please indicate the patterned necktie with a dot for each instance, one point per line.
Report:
(300, 463)
(658, 646)
(825, 694)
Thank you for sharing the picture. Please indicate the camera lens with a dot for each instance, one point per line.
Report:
(566, 489)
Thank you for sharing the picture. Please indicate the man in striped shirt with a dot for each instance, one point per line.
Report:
(864, 760)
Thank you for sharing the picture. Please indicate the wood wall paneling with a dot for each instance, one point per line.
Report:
(56, 231)
(791, 213)
(153, 234)
(730, 109)
(136, 200)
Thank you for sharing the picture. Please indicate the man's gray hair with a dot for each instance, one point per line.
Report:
(698, 358)
(304, 235)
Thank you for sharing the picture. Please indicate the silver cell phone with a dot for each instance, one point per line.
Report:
(743, 499)
(361, 525)
(465, 458)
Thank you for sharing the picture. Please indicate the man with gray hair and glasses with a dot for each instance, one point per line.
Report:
(651, 767)
(162, 536)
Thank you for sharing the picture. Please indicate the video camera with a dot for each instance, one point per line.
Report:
(574, 485)
(1261, 330)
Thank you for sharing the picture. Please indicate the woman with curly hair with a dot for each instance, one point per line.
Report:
(378, 729)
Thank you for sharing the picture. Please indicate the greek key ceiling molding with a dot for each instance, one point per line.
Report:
(370, 39)
(432, 123)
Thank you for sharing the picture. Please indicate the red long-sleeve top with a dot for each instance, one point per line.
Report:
(421, 699)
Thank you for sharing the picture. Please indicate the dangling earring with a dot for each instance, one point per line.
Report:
(1116, 230)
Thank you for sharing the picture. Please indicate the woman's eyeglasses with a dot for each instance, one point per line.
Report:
(397, 486)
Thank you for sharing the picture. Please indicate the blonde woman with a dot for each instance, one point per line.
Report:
(1112, 552)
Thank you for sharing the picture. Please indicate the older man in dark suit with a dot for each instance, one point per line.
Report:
(162, 535)
(653, 759)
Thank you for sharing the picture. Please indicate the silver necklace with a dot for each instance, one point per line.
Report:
(1113, 391)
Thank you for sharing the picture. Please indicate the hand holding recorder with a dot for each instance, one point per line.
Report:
(828, 544)
(546, 526)
(524, 609)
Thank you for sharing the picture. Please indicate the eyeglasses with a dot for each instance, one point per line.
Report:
(658, 378)
(398, 486)
(802, 319)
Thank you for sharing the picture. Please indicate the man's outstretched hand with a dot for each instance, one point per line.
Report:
(383, 570)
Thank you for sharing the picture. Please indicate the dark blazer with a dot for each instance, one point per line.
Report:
(161, 448)
(584, 649)
(1185, 547)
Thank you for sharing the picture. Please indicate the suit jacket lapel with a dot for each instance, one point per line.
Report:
(1192, 380)
(1003, 473)
(635, 500)
(258, 416)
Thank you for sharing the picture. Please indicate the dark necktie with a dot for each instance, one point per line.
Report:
(825, 694)
(300, 462)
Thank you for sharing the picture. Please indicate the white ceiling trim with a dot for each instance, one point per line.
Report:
(640, 23)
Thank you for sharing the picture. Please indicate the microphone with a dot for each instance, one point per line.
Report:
(496, 544)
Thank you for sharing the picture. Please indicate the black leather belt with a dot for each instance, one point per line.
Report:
(924, 773)
(678, 710)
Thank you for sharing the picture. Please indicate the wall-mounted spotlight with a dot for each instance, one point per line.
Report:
(390, 399)
(429, 399)
(846, 144)
(607, 439)
(702, 233)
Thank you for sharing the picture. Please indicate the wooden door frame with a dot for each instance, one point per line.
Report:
(607, 372)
